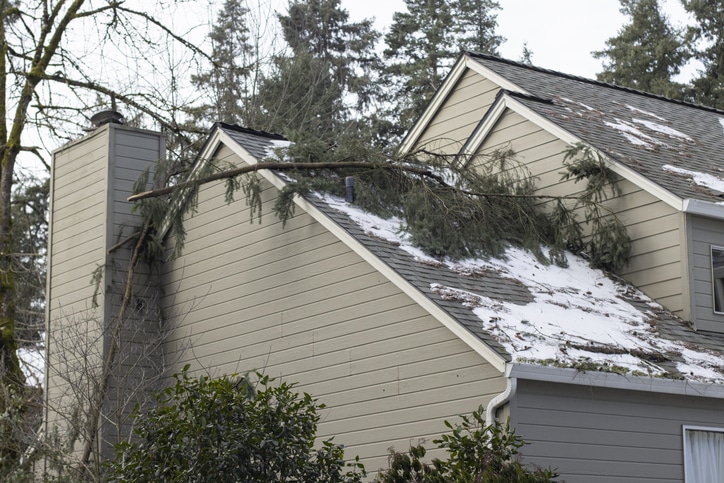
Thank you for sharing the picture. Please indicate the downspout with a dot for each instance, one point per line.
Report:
(498, 401)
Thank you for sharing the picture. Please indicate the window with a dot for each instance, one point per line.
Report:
(717, 272)
(703, 454)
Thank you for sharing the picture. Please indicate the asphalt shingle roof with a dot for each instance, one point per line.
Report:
(422, 274)
(607, 117)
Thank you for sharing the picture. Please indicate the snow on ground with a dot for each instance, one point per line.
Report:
(578, 317)
(705, 180)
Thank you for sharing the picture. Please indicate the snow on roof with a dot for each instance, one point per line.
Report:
(647, 113)
(721, 121)
(704, 180)
(276, 145)
(579, 318)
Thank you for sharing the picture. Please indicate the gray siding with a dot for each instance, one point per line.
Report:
(657, 266)
(297, 303)
(704, 233)
(593, 434)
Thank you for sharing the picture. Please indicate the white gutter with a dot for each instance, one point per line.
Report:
(503, 398)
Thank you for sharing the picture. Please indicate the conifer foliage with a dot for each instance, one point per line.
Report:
(707, 43)
(313, 86)
(424, 42)
(647, 53)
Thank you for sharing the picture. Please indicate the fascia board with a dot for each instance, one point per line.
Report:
(483, 129)
(493, 76)
(614, 381)
(704, 208)
(434, 105)
(643, 182)
(495, 359)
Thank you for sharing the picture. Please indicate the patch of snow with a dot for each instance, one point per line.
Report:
(632, 134)
(721, 121)
(578, 316)
(32, 362)
(705, 180)
(277, 145)
(641, 111)
(673, 133)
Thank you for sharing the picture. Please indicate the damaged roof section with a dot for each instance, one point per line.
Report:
(541, 314)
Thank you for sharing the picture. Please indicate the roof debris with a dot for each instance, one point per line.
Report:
(579, 316)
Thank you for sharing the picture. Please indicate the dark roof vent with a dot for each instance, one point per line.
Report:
(106, 117)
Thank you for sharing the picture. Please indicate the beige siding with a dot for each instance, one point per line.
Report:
(593, 434)
(459, 114)
(655, 228)
(297, 303)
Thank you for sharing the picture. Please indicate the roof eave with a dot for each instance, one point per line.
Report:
(704, 208)
(613, 380)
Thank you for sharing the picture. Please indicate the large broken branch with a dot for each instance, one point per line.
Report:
(285, 166)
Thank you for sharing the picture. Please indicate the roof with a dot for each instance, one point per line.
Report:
(579, 322)
(669, 142)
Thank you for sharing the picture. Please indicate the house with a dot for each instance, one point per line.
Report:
(606, 381)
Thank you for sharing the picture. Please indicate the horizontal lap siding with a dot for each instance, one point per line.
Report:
(654, 227)
(593, 434)
(705, 233)
(77, 247)
(459, 115)
(298, 304)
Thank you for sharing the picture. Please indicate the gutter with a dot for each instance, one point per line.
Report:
(703, 208)
(656, 385)
(503, 398)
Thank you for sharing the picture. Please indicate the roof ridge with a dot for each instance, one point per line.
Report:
(591, 81)
(248, 130)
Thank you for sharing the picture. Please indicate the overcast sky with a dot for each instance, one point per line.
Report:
(561, 33)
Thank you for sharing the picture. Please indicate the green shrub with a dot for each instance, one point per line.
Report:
(478, 453)
(227, 429)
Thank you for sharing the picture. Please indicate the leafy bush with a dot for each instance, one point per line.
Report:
(227, 429)
(477, 453)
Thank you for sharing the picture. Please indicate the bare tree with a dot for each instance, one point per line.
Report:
(59, 59)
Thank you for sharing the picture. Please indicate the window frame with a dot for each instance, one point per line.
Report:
(713, 281)
(687, 449)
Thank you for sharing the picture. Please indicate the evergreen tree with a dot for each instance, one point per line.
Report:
(227, 81)
(476, 22)
(707, 40)
(647, 53)
(315, 86)
(424, 42)
(30, 238)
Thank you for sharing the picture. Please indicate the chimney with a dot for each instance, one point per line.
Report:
(106, 117)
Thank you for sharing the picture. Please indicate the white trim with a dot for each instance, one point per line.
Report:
(464, 63)
(616, 381)
(506, 101)
(704, 208)
(490, 355)
(433, 106)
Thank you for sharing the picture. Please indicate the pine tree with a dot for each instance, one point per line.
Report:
(227, 81)
(647, 53)
(315, 86)
(476, 22)
(424, 42)
(707, 42)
